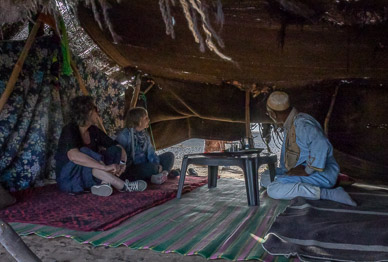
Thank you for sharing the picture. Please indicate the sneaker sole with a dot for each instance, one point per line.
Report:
(158, 179)
(102, 190)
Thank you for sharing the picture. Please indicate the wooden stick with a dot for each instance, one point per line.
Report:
(149, 87)
(15, 245)
(19, 65)
(247, 112)
(84, 90)
(136, 92)
(79, 78)
(327, 119)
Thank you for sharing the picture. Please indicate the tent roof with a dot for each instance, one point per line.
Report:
(326, 40)
(286, 42)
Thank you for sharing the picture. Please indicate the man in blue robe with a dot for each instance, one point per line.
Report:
(307, 165)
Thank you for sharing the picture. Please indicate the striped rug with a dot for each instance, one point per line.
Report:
(214, 223)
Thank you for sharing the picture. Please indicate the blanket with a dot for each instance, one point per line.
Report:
(327, 230)
(86, 212)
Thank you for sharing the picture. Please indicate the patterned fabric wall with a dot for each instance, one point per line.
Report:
(32, 119)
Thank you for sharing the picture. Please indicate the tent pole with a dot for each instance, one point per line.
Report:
(136, 92)
(327, 119)
(84, 90)
(79, 78)
(19, 65)
(247, 112)
(15, 245)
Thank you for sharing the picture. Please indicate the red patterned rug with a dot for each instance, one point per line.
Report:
(86, 212)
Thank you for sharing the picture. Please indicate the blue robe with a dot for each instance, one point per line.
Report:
(316, 154)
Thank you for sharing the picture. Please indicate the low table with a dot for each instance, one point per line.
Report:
(249, 161)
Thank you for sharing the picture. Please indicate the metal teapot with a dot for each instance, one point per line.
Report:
(247, 143)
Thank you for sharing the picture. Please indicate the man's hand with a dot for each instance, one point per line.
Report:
(297, 171)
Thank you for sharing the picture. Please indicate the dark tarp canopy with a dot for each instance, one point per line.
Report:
(311, 51)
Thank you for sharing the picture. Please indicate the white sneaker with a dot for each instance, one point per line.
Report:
(159, 178)
(102, 190)
(135, 186)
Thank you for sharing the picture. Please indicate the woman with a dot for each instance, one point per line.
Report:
(80, 164)
(142, 161)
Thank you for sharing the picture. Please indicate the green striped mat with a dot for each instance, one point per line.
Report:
(214, 223)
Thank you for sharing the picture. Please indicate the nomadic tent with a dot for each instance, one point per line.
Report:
(205, 68)
(321, 52)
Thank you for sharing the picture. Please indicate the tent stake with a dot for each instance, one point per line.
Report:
(15, 245)
(19, 65)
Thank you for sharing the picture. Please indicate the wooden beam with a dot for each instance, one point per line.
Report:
(19, 65)
(327, 119)
(247, 112)
(79, 78)
(15, 245)
(136, 92)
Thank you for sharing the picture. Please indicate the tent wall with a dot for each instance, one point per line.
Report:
(32, 119)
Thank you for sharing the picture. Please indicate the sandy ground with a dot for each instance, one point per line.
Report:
(65, 249)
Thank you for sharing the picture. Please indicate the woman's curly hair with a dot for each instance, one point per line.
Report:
(133, 116)
(81, 106)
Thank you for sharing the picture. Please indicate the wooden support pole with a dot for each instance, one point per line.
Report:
(15, 245)
(79, 78)
(136, 92)
(149, 87)
(19, 65)
(247, 113)
(84, 90)
(327, 119)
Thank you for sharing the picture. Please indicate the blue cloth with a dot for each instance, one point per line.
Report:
(137, 153)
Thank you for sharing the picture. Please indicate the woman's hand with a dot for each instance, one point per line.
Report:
(160, 168)
(122, 169)
(297, 171)
(113, 169)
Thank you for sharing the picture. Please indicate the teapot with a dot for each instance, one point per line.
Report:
(247, 143)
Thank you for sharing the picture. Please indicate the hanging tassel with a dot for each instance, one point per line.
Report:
(66, 67)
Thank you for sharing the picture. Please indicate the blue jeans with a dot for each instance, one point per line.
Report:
(75, 178)
(144, 171)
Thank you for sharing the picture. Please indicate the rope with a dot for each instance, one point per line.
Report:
(143, 97)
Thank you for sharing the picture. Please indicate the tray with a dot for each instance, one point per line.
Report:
(244, 151)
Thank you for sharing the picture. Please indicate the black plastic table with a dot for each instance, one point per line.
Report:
(249, 161)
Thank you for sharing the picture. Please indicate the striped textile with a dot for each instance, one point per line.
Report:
(330, 231)
(214, 223)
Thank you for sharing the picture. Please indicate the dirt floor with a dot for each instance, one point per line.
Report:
(64, 249)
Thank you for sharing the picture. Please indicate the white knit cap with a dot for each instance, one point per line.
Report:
(278, 101)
